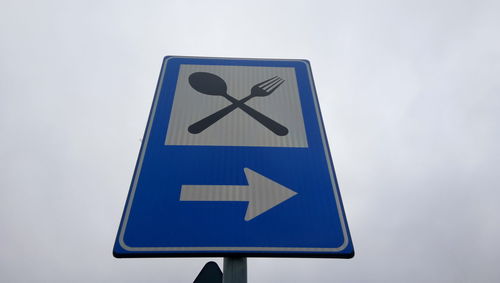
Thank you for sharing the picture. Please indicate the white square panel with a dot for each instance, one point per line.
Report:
(237, 128)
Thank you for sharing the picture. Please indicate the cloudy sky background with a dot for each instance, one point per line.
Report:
(409, 92)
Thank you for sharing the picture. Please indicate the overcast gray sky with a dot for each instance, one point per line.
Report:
(409, 92)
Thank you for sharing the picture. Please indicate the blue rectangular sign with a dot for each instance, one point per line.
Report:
(234, 162)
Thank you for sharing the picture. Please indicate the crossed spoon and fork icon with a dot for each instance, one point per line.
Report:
(211, 84)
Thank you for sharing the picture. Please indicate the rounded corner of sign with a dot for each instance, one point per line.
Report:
(172, 58)
(119, 250)
(350, 254)
(122, 245)
(347, 248)
(168, 57)
(118, 254)
(306, 62)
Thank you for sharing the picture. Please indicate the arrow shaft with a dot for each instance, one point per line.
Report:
(214, 193)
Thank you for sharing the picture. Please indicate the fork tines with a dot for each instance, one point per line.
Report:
(271, 84)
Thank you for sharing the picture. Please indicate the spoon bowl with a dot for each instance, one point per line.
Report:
(208, 83)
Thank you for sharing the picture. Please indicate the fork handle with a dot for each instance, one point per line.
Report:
(267, 122)
(206, 122)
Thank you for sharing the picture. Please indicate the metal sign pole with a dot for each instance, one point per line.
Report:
(235, 270)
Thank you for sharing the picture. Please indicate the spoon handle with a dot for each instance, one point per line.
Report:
(206, 122)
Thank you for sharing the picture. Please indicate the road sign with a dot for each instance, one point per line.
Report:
(234, 162)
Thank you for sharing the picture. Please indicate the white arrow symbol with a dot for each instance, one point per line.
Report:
(261, 193)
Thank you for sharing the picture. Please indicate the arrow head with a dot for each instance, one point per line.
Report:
(264, 194)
